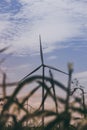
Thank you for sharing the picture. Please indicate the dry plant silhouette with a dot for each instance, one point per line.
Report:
(60, 121)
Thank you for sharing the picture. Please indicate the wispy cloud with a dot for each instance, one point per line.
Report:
(52, 57)
(55, 20)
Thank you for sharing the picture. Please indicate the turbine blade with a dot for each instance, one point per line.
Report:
(41, 52)
(31, 72)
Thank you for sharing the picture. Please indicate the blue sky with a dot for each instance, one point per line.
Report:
(62, 25)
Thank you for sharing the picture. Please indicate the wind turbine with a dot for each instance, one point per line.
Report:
(43, 66)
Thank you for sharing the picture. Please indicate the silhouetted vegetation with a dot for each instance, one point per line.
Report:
(59, 120)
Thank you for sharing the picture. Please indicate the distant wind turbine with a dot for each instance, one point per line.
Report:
(43, 74)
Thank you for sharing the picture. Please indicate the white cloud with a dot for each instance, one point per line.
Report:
(82, 77)
(3, 25)
(52, 57)
(81, 74)
(17, 72)
(55, 20)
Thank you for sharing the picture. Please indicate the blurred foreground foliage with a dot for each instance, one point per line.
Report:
(60, 120)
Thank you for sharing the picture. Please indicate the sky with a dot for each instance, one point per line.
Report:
(62, 25)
